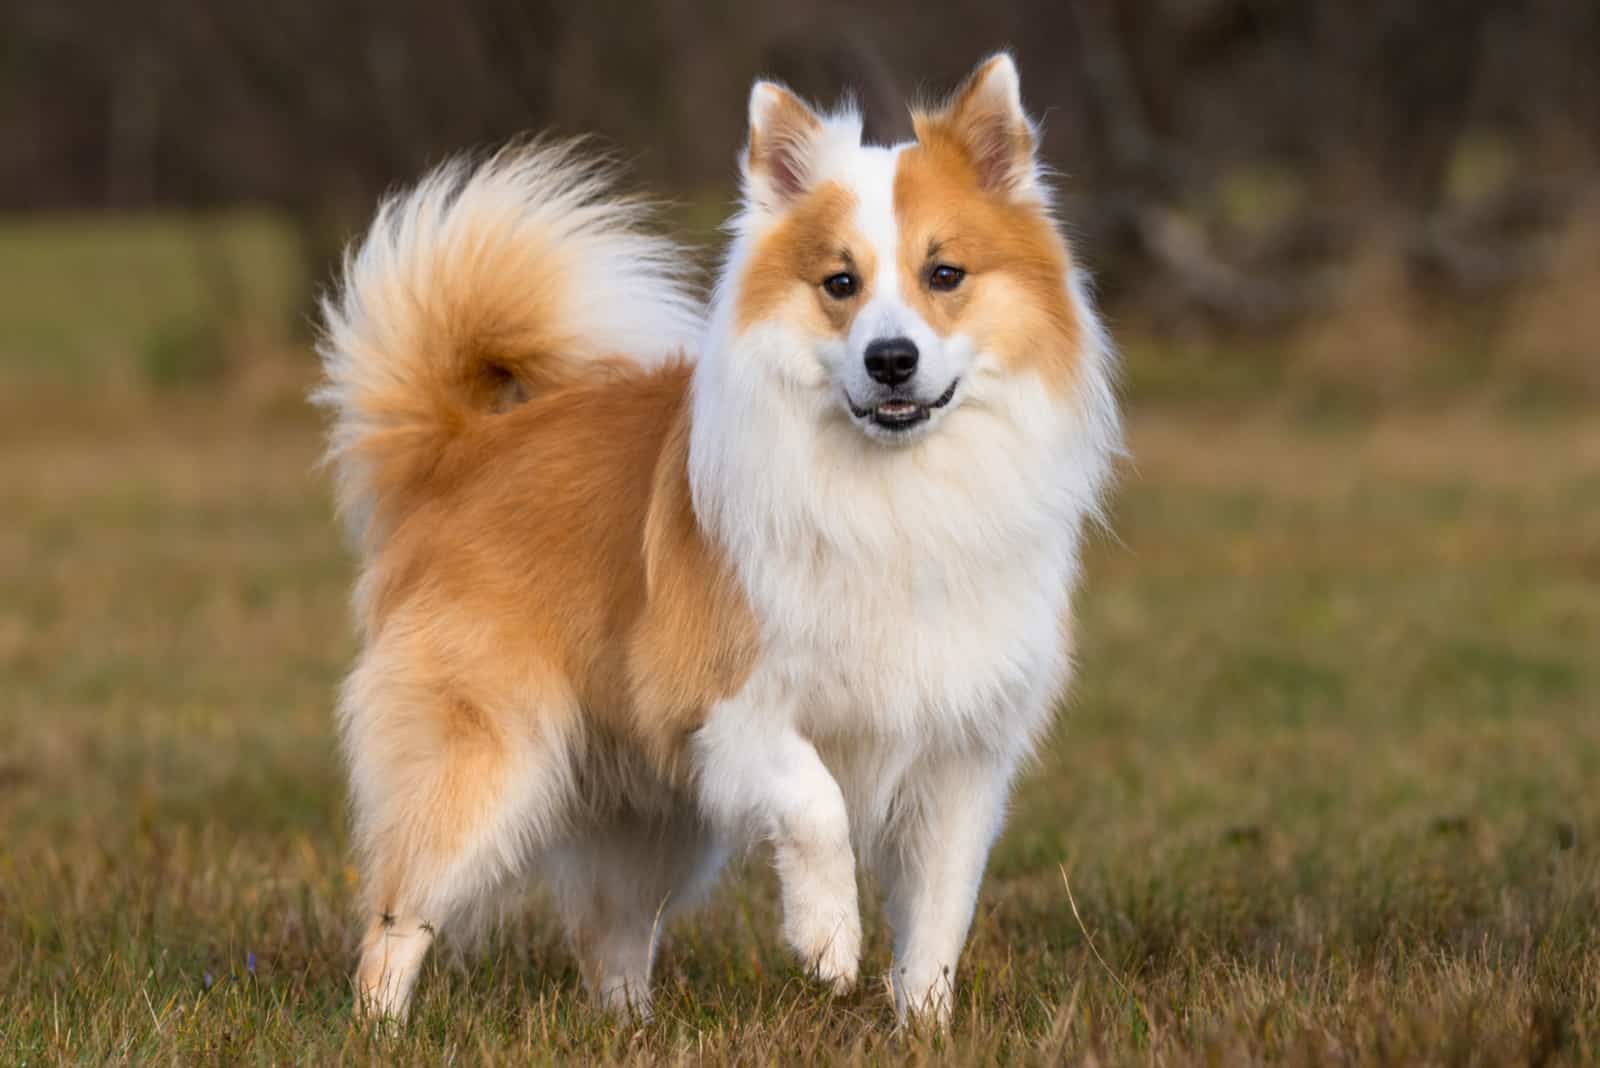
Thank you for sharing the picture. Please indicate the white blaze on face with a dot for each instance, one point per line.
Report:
(869, 174)
(872, 181)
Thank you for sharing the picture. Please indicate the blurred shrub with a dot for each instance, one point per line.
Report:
(1363, 195)
(184, 352)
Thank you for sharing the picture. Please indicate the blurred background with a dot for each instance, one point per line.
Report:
(1375, 200)
(1327, 782)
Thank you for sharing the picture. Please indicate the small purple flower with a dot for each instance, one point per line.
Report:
(250, 962)
(207, 980)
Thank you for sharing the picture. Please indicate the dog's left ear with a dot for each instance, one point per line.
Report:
(985, 118)
(785, 137)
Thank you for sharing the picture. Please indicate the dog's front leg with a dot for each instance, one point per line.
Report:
(757, 772)
(954, 806)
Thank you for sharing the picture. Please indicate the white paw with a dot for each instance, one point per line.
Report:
(625, 1001)
(923, 995)
(829, 941)
(391, 957)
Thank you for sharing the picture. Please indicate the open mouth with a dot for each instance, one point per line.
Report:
(899, 413)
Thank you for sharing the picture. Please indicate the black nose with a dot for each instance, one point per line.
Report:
(892, 360)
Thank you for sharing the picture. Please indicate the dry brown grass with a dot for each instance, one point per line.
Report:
(1328, 790)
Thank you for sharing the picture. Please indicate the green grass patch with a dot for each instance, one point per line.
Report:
(160, 299)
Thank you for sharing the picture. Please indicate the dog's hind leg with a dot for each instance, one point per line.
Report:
(392, 952)
(452, 793)
(617, 883)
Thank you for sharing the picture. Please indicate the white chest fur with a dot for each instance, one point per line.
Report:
(915, 594)
(924, 643)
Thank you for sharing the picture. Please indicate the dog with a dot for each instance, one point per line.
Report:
(645, 582)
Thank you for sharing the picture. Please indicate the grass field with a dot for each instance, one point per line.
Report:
(1327, 790)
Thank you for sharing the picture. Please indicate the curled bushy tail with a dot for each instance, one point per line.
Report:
(487, 281)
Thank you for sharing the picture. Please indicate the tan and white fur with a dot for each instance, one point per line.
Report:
(643, 584)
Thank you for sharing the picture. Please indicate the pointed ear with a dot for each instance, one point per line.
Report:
(985, 118)
(785, 135)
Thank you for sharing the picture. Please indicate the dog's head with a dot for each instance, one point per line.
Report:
(903, 283)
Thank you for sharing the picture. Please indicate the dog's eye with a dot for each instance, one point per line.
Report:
(945, 277)
(841, 285)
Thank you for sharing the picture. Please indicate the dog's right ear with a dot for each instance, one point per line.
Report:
(985, 118)
(785, 139)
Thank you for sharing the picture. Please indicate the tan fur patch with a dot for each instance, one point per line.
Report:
(1013, 301)
(696, 641)
(534, 539)
(813, 241)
